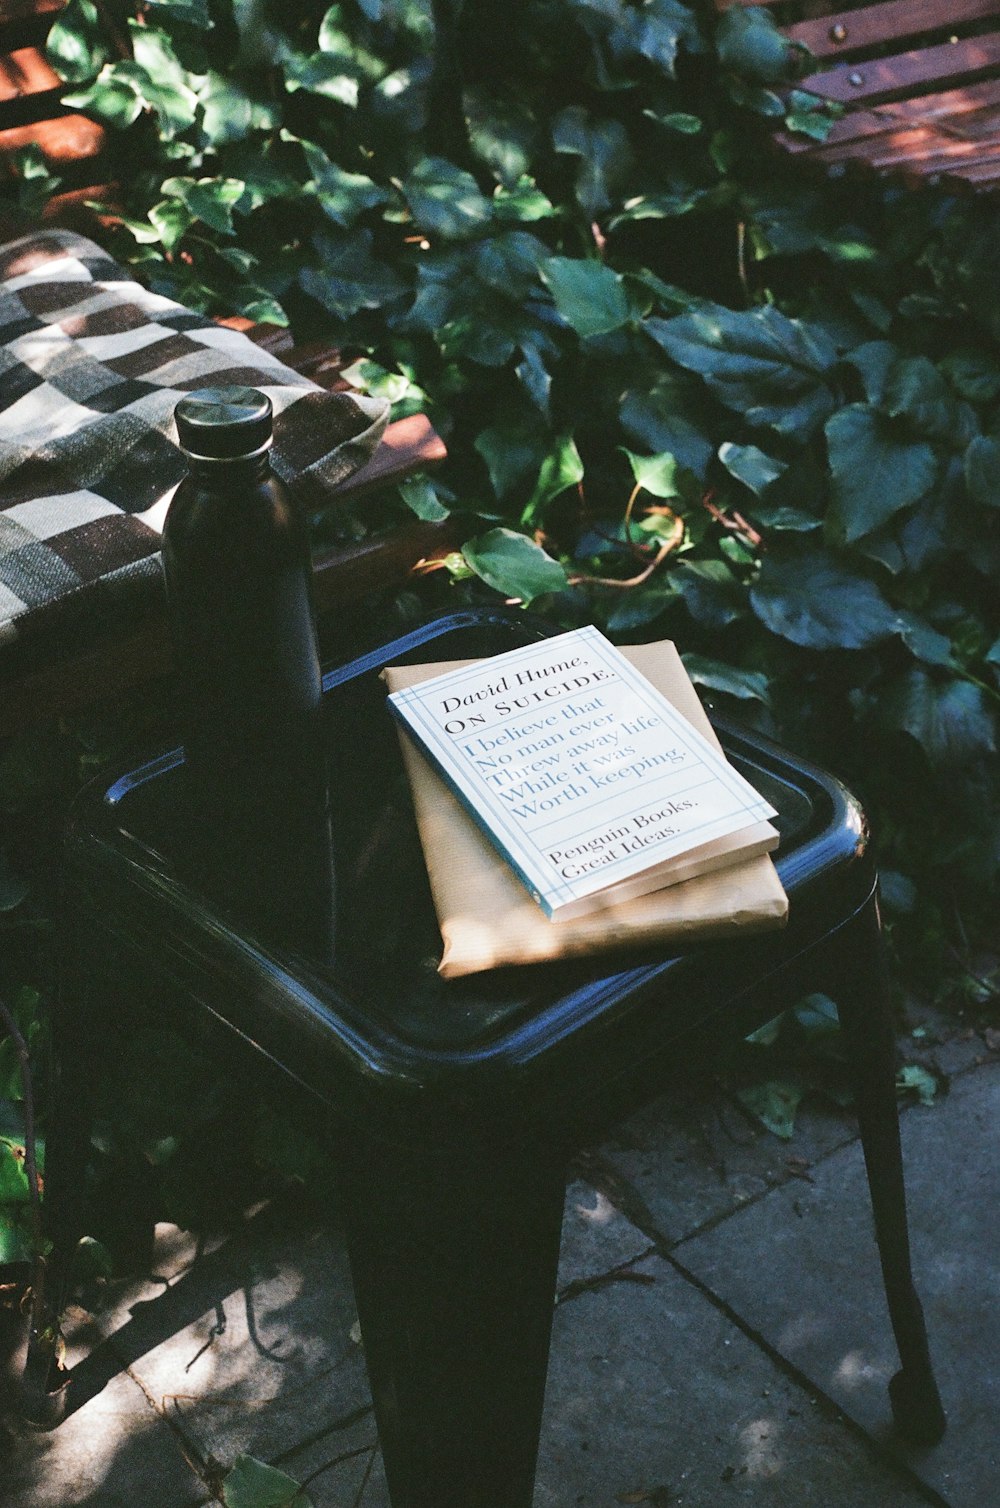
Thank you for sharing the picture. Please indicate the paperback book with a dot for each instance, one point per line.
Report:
(584, 777)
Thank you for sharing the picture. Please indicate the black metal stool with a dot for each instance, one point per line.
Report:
(460, 1103)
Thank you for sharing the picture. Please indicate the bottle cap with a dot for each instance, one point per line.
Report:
(224, 423)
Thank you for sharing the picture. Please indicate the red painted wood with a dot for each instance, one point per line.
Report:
(14, 11)
(64, 142)
(26, 72)
(880, 78)
(972, 108)
(896, 21)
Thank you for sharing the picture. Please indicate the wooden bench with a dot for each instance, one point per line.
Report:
(919, 83)
(82, 154)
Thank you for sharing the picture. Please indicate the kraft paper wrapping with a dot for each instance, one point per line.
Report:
(488, 919)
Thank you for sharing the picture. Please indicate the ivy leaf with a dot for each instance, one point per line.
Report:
(510, 263)
(975, 375)
(190, 12)
(76, 45)
(398, 388)
(171, 220)
(561, 468)
(502, 133)
(774, 1104)
(251, 1484)
(768, 367)
(712, 594)
(915, 1082)
(342, 196)
(511, 450)
(641, 606)
(523, 203)
(874, 473)
(664, 206)
(36, 184)
(924, 642)
(349, 278)
(950, 719)
(420, 496)
(814, 602)
(655, 474)
(751, 466)
(916, 390)
(676, 120)
(13, 1179)
(873, 361)
(810, 115)
(660, 414)
(260, 306)
(514, 565)
(445, 200)
(746, 685)
(982, 470)
(818, 1017)
(326, 74)
(112, 97)
(588, 295)
(783, 518)
(230, 113)
(750, 42)
(535, 377)
(400, 100)
(209, 200)
(604, 152)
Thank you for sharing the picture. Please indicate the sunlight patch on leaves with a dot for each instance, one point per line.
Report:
(514, 565)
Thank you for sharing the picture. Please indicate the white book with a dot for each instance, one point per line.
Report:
(585, 778)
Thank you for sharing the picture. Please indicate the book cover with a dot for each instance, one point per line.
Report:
(584, 776)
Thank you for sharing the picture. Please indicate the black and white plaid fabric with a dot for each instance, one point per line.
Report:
(91, 367)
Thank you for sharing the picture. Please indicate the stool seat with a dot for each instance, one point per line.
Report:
(460, 1102)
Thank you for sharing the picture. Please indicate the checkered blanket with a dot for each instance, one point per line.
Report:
(91, 367)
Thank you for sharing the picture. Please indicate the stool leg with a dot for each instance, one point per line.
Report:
(866, 1014)
(454, 1261)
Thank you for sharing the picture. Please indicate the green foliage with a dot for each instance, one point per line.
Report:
(580, 254)
(252, 1484)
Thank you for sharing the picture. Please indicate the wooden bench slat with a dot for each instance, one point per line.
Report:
(64, 143)
(950, 157)
(965, 106)
(880, 78)
(920, 151)
(983, 175)
(896, 21)
(24, 10)
(27, 72)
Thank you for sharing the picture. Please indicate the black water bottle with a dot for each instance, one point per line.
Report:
(239, 598)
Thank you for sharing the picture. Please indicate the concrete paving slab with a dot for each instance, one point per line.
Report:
(655, 1397)
(597, 1238)
(115, 1452)
(269, 1360)
(342, 1468)
(694, 1156)
(251, 1347)
(800, 1267)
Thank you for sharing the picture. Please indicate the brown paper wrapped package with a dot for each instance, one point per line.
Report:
(488, 919)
